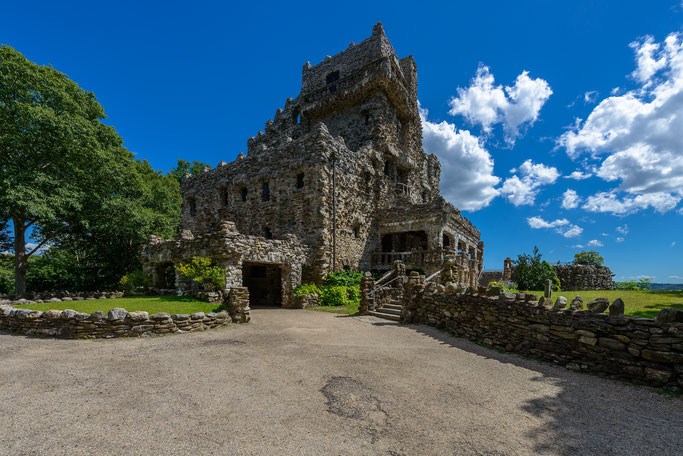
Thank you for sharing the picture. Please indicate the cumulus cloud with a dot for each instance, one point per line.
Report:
(561, 226)
(623, 229)
(523, 190)
(570, 199)
(578, 175)
(637, 135)
(594, 243)
(538, 222)
(467, 178)
(486, 104)
(610, 202)
(620, 239)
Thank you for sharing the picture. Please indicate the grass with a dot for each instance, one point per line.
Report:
(637, 303)
(345, 310)
(151, 304)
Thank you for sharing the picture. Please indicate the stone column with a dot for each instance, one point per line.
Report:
(239, 304)
(367, 285)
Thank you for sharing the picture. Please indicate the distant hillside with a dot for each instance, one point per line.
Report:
(666, 286)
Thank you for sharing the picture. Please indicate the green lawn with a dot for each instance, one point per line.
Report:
(637, 303)
(151, 304)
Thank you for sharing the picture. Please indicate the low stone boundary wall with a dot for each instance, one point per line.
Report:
(69, 324)
(59, 296)
(642, 350)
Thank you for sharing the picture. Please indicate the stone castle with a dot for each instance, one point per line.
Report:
(338, 179)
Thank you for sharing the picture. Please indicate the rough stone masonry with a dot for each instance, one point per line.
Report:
(338, 177)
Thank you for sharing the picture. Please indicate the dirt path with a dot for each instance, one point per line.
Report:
(301, 382)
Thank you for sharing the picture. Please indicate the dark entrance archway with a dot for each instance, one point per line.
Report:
(264, 282)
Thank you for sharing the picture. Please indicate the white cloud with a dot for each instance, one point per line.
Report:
(590, 96)
(573, 231)
(620, 239)
(561, 226)
(578, 175)
(639, 133)
(486, 104)
(570, 199)
(523, 191)
(610, 202)
(594, 243)
(538, 222)
(467, 178)
(623, 229)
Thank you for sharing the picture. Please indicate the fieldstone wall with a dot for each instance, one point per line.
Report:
(59, 296)
(641, 350)
(584, 277)
(69, 324)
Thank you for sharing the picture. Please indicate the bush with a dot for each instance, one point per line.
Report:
(531, 272)
(306, 289)
(344, 278)
(200, 270)
(334, 296)
(134, 280)
(510, 287)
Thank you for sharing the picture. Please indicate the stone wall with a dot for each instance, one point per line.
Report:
(69, 324)
(59, 296)
(584, 277)
(641, 350)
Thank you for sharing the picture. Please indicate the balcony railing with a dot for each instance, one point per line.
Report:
(414, 258)
(402, 190)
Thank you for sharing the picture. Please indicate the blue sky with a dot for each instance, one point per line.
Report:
(501, 85)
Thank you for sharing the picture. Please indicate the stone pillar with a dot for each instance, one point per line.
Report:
(507, 270)
(239, 304)
(367, 285)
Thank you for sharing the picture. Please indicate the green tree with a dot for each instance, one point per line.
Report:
(66, 178)
(185, 167)
(531, 272)
(589, 257)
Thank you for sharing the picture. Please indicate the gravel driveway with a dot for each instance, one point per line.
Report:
(301, 382)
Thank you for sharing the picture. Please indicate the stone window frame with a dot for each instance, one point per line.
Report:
(224, 195)
(265, 191)
(300, 182)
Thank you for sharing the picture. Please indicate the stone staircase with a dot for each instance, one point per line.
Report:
(391, 311)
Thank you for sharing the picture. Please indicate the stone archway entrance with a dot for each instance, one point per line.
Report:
(264, 282)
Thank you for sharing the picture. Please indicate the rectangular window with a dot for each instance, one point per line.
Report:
(193, 206)
(300, 180)
(243, 194)
(225, 197)
(265, 195)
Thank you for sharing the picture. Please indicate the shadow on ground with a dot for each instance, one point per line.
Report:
(590, 414)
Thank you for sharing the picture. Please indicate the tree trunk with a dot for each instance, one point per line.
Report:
(20, 258)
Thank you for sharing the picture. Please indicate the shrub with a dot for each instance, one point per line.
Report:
(510, 287)
(200, 270)
(306, 289)
(531, 272)
(134, 280)
(353, 294)
(334, 295)
(345, 278)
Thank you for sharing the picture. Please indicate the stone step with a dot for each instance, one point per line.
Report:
(389, 310)
(386, 316)
(393, 306)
